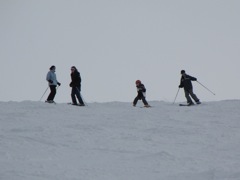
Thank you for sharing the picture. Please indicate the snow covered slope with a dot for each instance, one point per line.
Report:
(115, 141)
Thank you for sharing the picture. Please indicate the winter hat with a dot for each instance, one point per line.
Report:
(52, 67)
(182, 71)
(138, 82)
(73, 67)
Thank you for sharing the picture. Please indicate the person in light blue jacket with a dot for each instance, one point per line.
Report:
(52, 82)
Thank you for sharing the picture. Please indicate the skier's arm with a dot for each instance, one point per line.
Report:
(192, 78)
(181, 83)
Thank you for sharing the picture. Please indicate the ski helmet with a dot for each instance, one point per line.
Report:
(138, 82)
(182, 71)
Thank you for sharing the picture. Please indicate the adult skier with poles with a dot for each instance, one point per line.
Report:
(186, 83)
(52, 82)
(76, 87)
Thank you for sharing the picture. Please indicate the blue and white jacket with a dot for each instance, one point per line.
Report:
(52, 77)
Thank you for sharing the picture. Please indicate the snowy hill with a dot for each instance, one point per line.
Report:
(115, 141)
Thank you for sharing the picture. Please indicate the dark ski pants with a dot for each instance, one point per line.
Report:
(188, 93)
(76, 92)
(140, 98)
(52, 93)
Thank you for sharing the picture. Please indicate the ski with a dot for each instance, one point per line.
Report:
(198, 103)
(185, 105)
(75, 104)
(50, 102)
(145, 106)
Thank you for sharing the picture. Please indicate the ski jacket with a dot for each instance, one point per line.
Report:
(186, 83)
(51, 76)
(141, 90)
(76, 80)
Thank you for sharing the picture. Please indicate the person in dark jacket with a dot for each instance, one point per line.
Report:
(186, 83)
(52, 82)
(76, 86)
(141, 90)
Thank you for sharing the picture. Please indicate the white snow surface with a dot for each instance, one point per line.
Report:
(115, 141)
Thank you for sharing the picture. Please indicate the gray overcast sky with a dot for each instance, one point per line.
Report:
(113, 43)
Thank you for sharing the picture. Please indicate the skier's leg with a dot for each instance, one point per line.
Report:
(74, 101)
(79, 97)
(189, 100)
(49, 97)
(135, 101)
(52, 93)
(193, 96)
(144, 101)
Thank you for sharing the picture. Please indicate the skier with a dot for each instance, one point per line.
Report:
(76, 86)
(186, 83)
(141, 90)
(52, 82)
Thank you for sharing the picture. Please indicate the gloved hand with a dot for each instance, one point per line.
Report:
(70, 85)
(179, 86)
(50, 81)
(59, 84)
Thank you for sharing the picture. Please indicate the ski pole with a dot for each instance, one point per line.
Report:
(206, 88)
(176, 96)
(44, 93)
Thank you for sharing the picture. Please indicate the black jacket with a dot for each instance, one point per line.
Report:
(186, 83)
(76, 80)
(141, 89)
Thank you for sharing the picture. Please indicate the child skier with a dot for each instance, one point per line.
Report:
(141, 90)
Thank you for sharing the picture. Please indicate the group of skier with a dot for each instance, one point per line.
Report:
(75, 84)
(185, 83)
